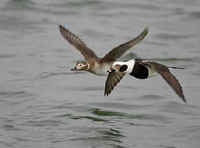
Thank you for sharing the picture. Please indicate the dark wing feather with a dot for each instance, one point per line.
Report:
(169, 78)
(118, 51)
(77, 43)
(112, 80)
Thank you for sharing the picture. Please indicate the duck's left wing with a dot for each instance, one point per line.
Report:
(118, 51)
(112, 80)
(77, 43)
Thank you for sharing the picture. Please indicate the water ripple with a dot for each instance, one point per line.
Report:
(10, 94)
(109, 136)
(151, 97)
(122, 115)
(46, 75)
(172, 59)
(183, 109)
(6, 55)
(19, 5)
(7, 143)
(9, 127)
(43, 123)
(91, 118)
(115, 105)
(172, 36)
(194, 15)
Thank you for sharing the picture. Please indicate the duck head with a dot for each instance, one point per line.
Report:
(81, 66)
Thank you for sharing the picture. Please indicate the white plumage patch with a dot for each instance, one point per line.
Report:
(118, 63)
(129, 63)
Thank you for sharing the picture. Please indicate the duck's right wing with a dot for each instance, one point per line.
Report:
(112, 80)
(118, 51)
(77, 43)
(168, 77)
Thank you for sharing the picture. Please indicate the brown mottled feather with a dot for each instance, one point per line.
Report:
(118, 51)
(168, 77)
(112, 80)
(77, 43)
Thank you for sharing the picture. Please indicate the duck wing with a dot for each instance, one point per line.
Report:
(168, 77)
(118, 51)
(112, 80)
(77, 43)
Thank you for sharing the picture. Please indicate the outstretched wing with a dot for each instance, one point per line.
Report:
(169, 78)
(77, 43)
(118, 51)
(112, 80)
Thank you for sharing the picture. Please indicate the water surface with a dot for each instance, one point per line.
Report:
(44, 104)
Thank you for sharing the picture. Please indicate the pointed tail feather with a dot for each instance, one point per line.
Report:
(174, 67)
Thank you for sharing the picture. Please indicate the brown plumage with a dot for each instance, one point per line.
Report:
(169, 78)
(118, 51)
(112, 80)
(95, 64)
(77, 43)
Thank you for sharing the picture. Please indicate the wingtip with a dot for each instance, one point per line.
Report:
(146, 30)
(175, 67)
(184, 100)
(182, 96)
(105, 94)
(143, 34)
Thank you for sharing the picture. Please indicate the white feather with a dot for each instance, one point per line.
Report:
(129, 63)
(118, 63)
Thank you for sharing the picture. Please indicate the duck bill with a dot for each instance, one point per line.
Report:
(73, 69)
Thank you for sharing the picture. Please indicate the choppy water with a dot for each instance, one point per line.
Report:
(44, 104)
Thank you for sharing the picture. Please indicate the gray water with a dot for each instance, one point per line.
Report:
(43, 104)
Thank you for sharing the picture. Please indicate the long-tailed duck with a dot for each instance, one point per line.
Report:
(141, 69)
(92, 63)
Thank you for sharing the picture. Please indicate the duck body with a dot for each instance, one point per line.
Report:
(98, 68)
(101, 69)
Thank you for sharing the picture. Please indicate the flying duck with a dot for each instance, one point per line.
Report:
(92, 63)
(141, 69)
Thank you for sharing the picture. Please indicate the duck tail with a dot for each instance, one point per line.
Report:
(174, 67)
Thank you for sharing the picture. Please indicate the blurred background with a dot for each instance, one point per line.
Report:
(44, 104)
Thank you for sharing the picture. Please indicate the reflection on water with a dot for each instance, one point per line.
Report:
(110, 137)
(44, 104)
